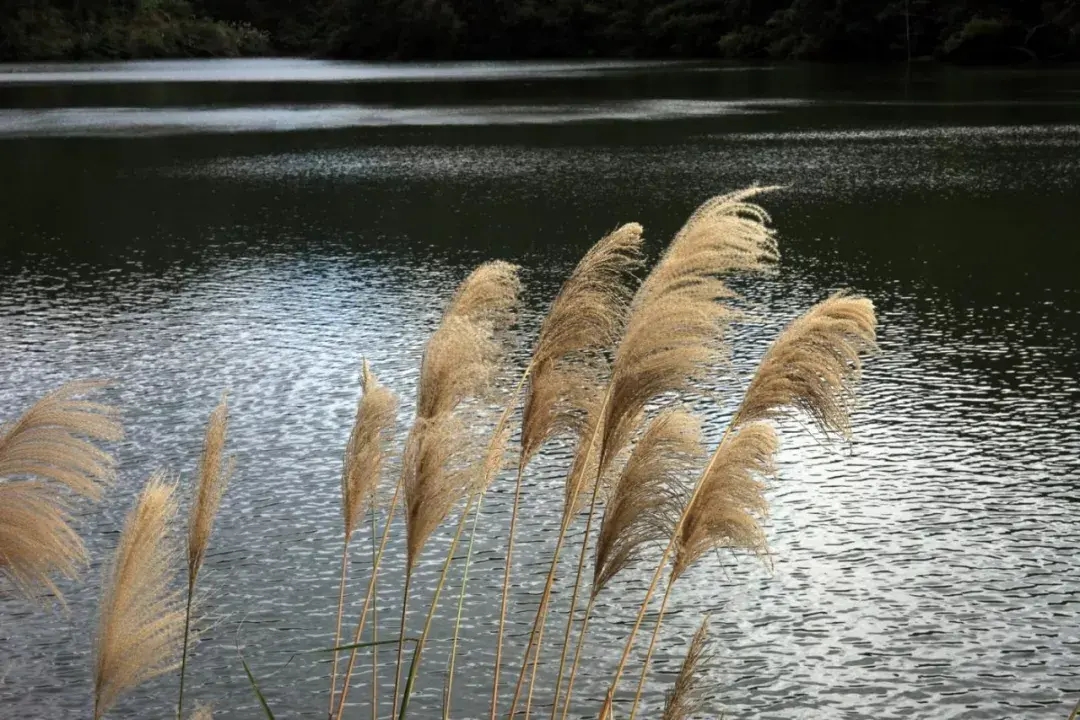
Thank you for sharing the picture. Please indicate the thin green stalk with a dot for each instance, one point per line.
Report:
(255, 688)
(460, 607)
(337, 629)
(367, 600)
(414, 666)
(573, 605)
(609, 699)
(374, 625)
(505, 592)
(577, 654)
(401, 646)
(652, 645)
(183, 653)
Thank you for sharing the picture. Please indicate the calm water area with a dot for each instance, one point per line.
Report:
(259, 226)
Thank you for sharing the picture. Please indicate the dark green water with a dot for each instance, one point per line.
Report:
(261, 225)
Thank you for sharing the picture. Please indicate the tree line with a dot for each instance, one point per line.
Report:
(961, 31)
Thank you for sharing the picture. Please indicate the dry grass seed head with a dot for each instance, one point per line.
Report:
(462, 354)
(202, 712)
(649, 494)
(209, 488)
(687, 696)
(439, 465)
(36, 537)
(436, 476)
(585, 320)
(141, 618)
(676, 327)
(369, 441)
(731, 498)
(45, 442)
(49, 443)
(814, 365)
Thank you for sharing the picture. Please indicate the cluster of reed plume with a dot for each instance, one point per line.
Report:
(613, 366)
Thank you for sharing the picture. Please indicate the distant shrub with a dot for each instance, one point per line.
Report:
(985, 40)
(749, 41)
(157, 29)
(40, 32)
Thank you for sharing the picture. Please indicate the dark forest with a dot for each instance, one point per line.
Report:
(956, 31)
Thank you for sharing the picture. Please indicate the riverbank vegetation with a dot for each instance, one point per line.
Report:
(961, 31)
(616, 368)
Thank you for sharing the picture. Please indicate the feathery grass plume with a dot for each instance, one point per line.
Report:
(36, 537)
(648, 496)
(48, 443)
(141, 620)
(207, 491)
(438, 464)
(202, 712)
(568, 369)
(813, 367)
(368, 446)
(462, 354)
(676, 328)
(643, 508)
(585, 320)
(731, 498)
(674, 334)
(687, 697)
(45, 442)
(209, 488)
(460, 361)
(441, 464)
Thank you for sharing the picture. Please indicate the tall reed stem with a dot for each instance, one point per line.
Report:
(337, 628)
(374, 625)
(573, 604)
(505, 591)
(183, 653)
(652, 645)
(414, 666)
(536, 638)
(401, 634)
(609, 699)
(367, 600)
(577, 655)
(449, 690)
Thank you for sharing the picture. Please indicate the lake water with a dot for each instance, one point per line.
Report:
(186, 227)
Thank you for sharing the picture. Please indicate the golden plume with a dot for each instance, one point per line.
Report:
(814, 365)
(459, 364)
(141, 618)
(44, 443)
(585, 320)
(209, 488)
(647, 498)
(675, 331)
(812, 368)
(686, 697)
(731, 498)
(48, 443)
(372, 432)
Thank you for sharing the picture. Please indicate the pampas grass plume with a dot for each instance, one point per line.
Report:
(141, 618)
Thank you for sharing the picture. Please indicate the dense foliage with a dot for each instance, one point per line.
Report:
(966, 31)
